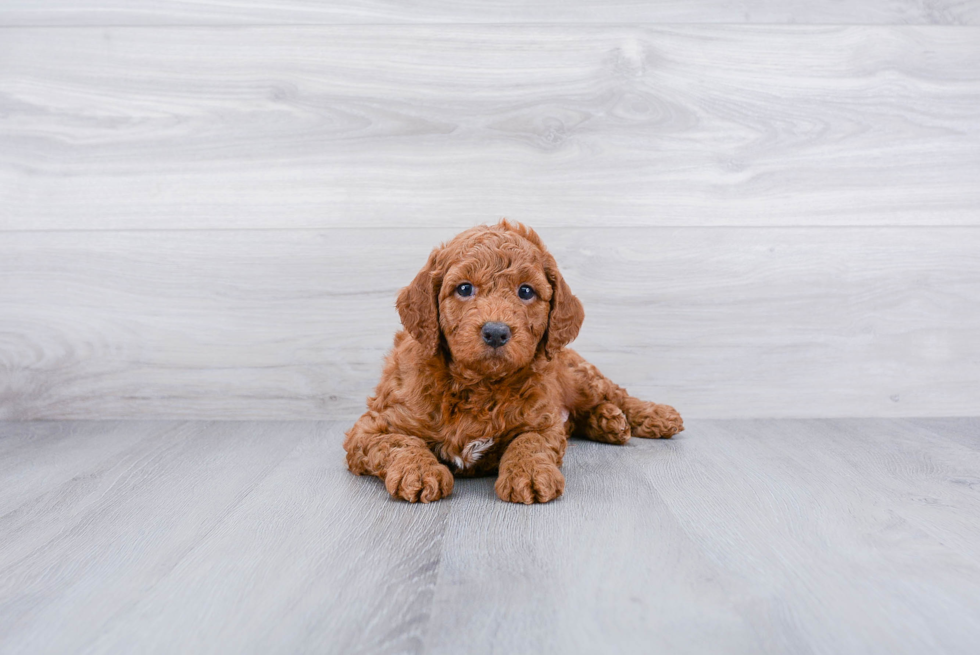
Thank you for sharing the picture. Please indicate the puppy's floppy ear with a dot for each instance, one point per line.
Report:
(418, 306)
(566, 314)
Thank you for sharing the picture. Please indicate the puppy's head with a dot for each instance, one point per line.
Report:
(495, 297)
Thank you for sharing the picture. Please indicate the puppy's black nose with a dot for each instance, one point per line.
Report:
(496, 334)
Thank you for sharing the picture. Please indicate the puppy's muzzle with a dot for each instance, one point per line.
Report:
(495, 334)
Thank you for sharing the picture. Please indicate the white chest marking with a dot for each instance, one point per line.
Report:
(472, 452)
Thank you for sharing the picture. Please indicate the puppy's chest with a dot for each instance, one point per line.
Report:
(472, 434)
(468, 435)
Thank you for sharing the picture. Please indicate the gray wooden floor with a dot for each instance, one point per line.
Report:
(804, 536)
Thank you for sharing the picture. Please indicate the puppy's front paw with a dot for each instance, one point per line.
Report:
(415, 477)
(530, 482)
(653, 421)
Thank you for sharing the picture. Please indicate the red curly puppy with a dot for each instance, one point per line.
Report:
(481, 381)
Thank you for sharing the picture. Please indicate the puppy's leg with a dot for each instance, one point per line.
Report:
(650, 420)
(529, 468)
(597, 398)
(409, 469)
(605, 422)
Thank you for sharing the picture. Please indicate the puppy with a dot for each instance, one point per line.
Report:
(480, 380)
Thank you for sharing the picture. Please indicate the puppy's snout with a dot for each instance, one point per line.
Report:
(495, 334)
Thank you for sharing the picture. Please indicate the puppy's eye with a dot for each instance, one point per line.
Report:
(465, 290)
(525, 292)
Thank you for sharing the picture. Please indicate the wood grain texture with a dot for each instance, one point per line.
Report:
(293, 324)
(313, 560)
(963, 430)
(173, 12)
(606, 569)
(802, 512)
(81, 550)
(756, 536)
(310, 127)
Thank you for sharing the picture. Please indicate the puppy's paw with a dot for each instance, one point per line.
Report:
(530, 482)
(416, 477)
(608, 424)
(653, 421)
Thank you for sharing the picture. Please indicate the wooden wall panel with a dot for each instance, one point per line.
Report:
(721, 322)
(207, 208)
(570, 125)
(235, 12)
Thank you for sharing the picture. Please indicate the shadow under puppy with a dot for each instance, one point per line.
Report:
(480, 380)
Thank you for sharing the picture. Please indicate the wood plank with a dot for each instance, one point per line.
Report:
(606, 568)
(964, 429)
(755, 536)
(173, 12)
(311, 127)
(844, 539)
(92, 546)
(931, 468)
(314, 559)
(37, 458)
(17, 436)
(293, 324)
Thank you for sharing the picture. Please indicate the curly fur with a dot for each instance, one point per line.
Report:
(447, 400)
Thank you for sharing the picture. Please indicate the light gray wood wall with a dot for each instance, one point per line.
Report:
(356, 126)
(206, 209)
(246, 12)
